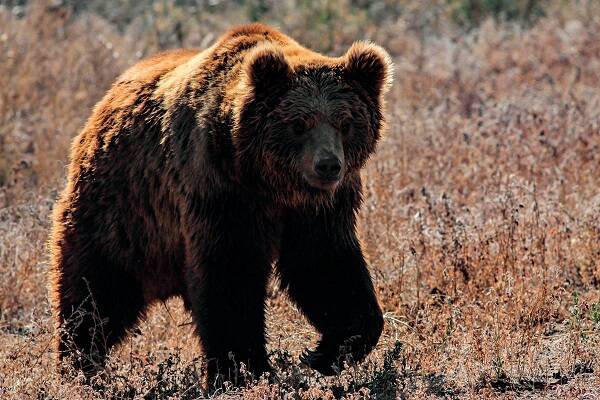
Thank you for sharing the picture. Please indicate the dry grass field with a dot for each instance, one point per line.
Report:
(481, 216)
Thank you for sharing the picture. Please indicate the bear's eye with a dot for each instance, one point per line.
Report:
(298, 128)
(345, 128)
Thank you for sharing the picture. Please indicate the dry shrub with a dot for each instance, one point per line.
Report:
(481, 215)
(53, 71)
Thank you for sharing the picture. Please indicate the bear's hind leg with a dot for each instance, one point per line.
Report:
(93, 310)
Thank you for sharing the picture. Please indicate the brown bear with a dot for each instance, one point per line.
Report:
(199, 174)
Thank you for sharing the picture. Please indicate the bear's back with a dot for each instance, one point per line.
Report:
(157, 65)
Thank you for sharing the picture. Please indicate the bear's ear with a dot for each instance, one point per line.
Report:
(267, 70)
(370, 66)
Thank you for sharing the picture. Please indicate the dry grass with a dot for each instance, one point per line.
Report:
(481, 219)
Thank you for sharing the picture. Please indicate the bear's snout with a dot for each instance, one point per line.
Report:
(324, 157)
(325, 173)
(328, 168)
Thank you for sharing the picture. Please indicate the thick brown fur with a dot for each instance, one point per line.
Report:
(184, 182)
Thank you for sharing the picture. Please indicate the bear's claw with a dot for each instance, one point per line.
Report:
(318, 361)
(328, 361)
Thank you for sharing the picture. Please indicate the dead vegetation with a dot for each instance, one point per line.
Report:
(481, 214)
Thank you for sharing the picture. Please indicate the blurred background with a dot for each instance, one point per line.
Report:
(482, 206)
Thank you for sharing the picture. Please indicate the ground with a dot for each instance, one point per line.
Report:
(481, 216)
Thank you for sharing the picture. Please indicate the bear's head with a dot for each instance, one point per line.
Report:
(304, 125)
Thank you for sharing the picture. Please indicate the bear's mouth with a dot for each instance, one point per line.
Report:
(322, 184)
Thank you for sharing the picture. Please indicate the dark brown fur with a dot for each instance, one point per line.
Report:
(184, 182)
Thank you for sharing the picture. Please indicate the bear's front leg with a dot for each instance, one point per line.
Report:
(227, 273)
(322, 266)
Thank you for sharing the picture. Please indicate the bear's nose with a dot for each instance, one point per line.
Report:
(328, 168)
